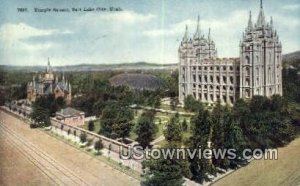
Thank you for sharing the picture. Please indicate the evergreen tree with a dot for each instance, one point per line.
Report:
(83, 137)
(173, 131)
(91, 126)
(98, 145)
(201, 127)
(184, 125)
(146, 129)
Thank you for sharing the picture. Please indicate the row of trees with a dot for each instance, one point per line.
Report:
(258, 123)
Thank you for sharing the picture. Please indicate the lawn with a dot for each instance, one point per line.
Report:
(161, 119)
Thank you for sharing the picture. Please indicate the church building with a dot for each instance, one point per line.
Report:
(47, 83)
(258, 70)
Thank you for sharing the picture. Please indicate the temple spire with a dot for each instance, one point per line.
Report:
(261, 17)
(49, 69)
(63, 77)
(250, 24)
(271, 22)
(186, 34)
(209, 37)
(198, 31)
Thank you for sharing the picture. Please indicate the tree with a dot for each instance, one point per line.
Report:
(83, 137)
(98, 145)
(116, 121)
(43, 108)
(167, 172)
(184, 125)
(146, 128)
(40, 116)
(201, 128)
(173, 131)
(91, 126)
(192, 105)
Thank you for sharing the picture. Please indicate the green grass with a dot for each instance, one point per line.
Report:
(160, 121)
(168, 107)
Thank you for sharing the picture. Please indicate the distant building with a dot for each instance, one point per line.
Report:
(70, 116)
(258, 70)
(137, 81)
(46, 84)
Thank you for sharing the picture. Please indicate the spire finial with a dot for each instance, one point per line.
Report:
(261, 17)
(209, 33)
(186, 34)
(250, 24)
(198, 31)
(271, 22)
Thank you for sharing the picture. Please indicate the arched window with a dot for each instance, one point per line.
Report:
(224, 79)
(247, 60)
(247, 82)
(247, 93)
(231, 79)
(247, 71)
(211, 79)
(218, 79)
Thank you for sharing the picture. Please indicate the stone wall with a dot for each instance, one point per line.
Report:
(108, 143)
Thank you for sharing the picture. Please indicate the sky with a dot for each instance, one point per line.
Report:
(145, 30)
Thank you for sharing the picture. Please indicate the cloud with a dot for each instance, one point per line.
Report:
(122, 17)
(10, 31)
(172, 30)
(17, 35)
(291, 7)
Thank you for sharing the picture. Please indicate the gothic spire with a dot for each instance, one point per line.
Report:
(250, 24)
(63, 77)
(271, 22)
(261, 17)
(209, 38)
(49, 69)
(186, 34)
(198, 31)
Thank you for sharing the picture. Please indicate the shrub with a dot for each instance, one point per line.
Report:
(83, 137)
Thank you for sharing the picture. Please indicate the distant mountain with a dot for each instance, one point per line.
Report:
(94, 67)
(291, 60)
(288, 59)
(291, 57)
